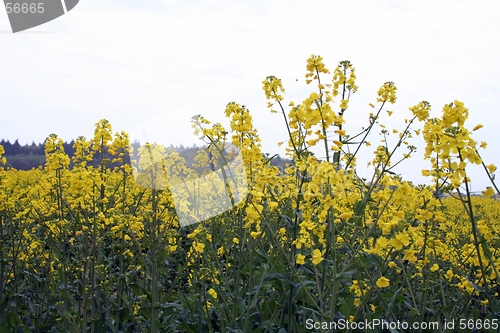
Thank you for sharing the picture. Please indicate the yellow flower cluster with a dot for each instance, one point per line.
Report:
(449, 144)
(2, 158)
(387, 93)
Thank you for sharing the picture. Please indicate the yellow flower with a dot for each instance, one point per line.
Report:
(434, 268)
(410, 255)
(421, 111)
(300, 259)
(426, 173)
(255, 234)
(404, 238)
(387, 93)
(343, 103)
(478, 126)
(346, 216)
(491, 168)
(340, 132)
(251, 213)
(338, 143)
(235, 240)
(317, 257)
(383, 282)
(199, 247)
(449, 275)
(328, 201)
(489, 192)
(212, 293)
(398, 245)
(273, 88)
(272, 205)
(400, 240)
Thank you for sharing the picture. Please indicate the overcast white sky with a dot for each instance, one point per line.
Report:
(132, 62)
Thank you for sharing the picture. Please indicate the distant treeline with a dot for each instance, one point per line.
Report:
(26, 157)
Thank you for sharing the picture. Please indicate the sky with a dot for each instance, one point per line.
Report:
(155, 64)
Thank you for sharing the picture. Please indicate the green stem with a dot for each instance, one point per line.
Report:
(367, 132)
(475, 234)
(154, 268)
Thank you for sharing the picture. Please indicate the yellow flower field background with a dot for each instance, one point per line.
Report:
(101, 249)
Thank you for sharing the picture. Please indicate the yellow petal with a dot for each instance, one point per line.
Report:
(478, 126)
(383, 282)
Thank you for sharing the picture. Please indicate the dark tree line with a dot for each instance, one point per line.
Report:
(23, 157)
(29, 156)
(34, 149)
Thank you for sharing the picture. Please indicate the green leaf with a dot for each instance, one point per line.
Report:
(348, 274)
(486, 249)
(360, 206)
(139, 290)
(393, 298)
(369, 260)
(348, 305)
(475, 286)
(276, 276)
